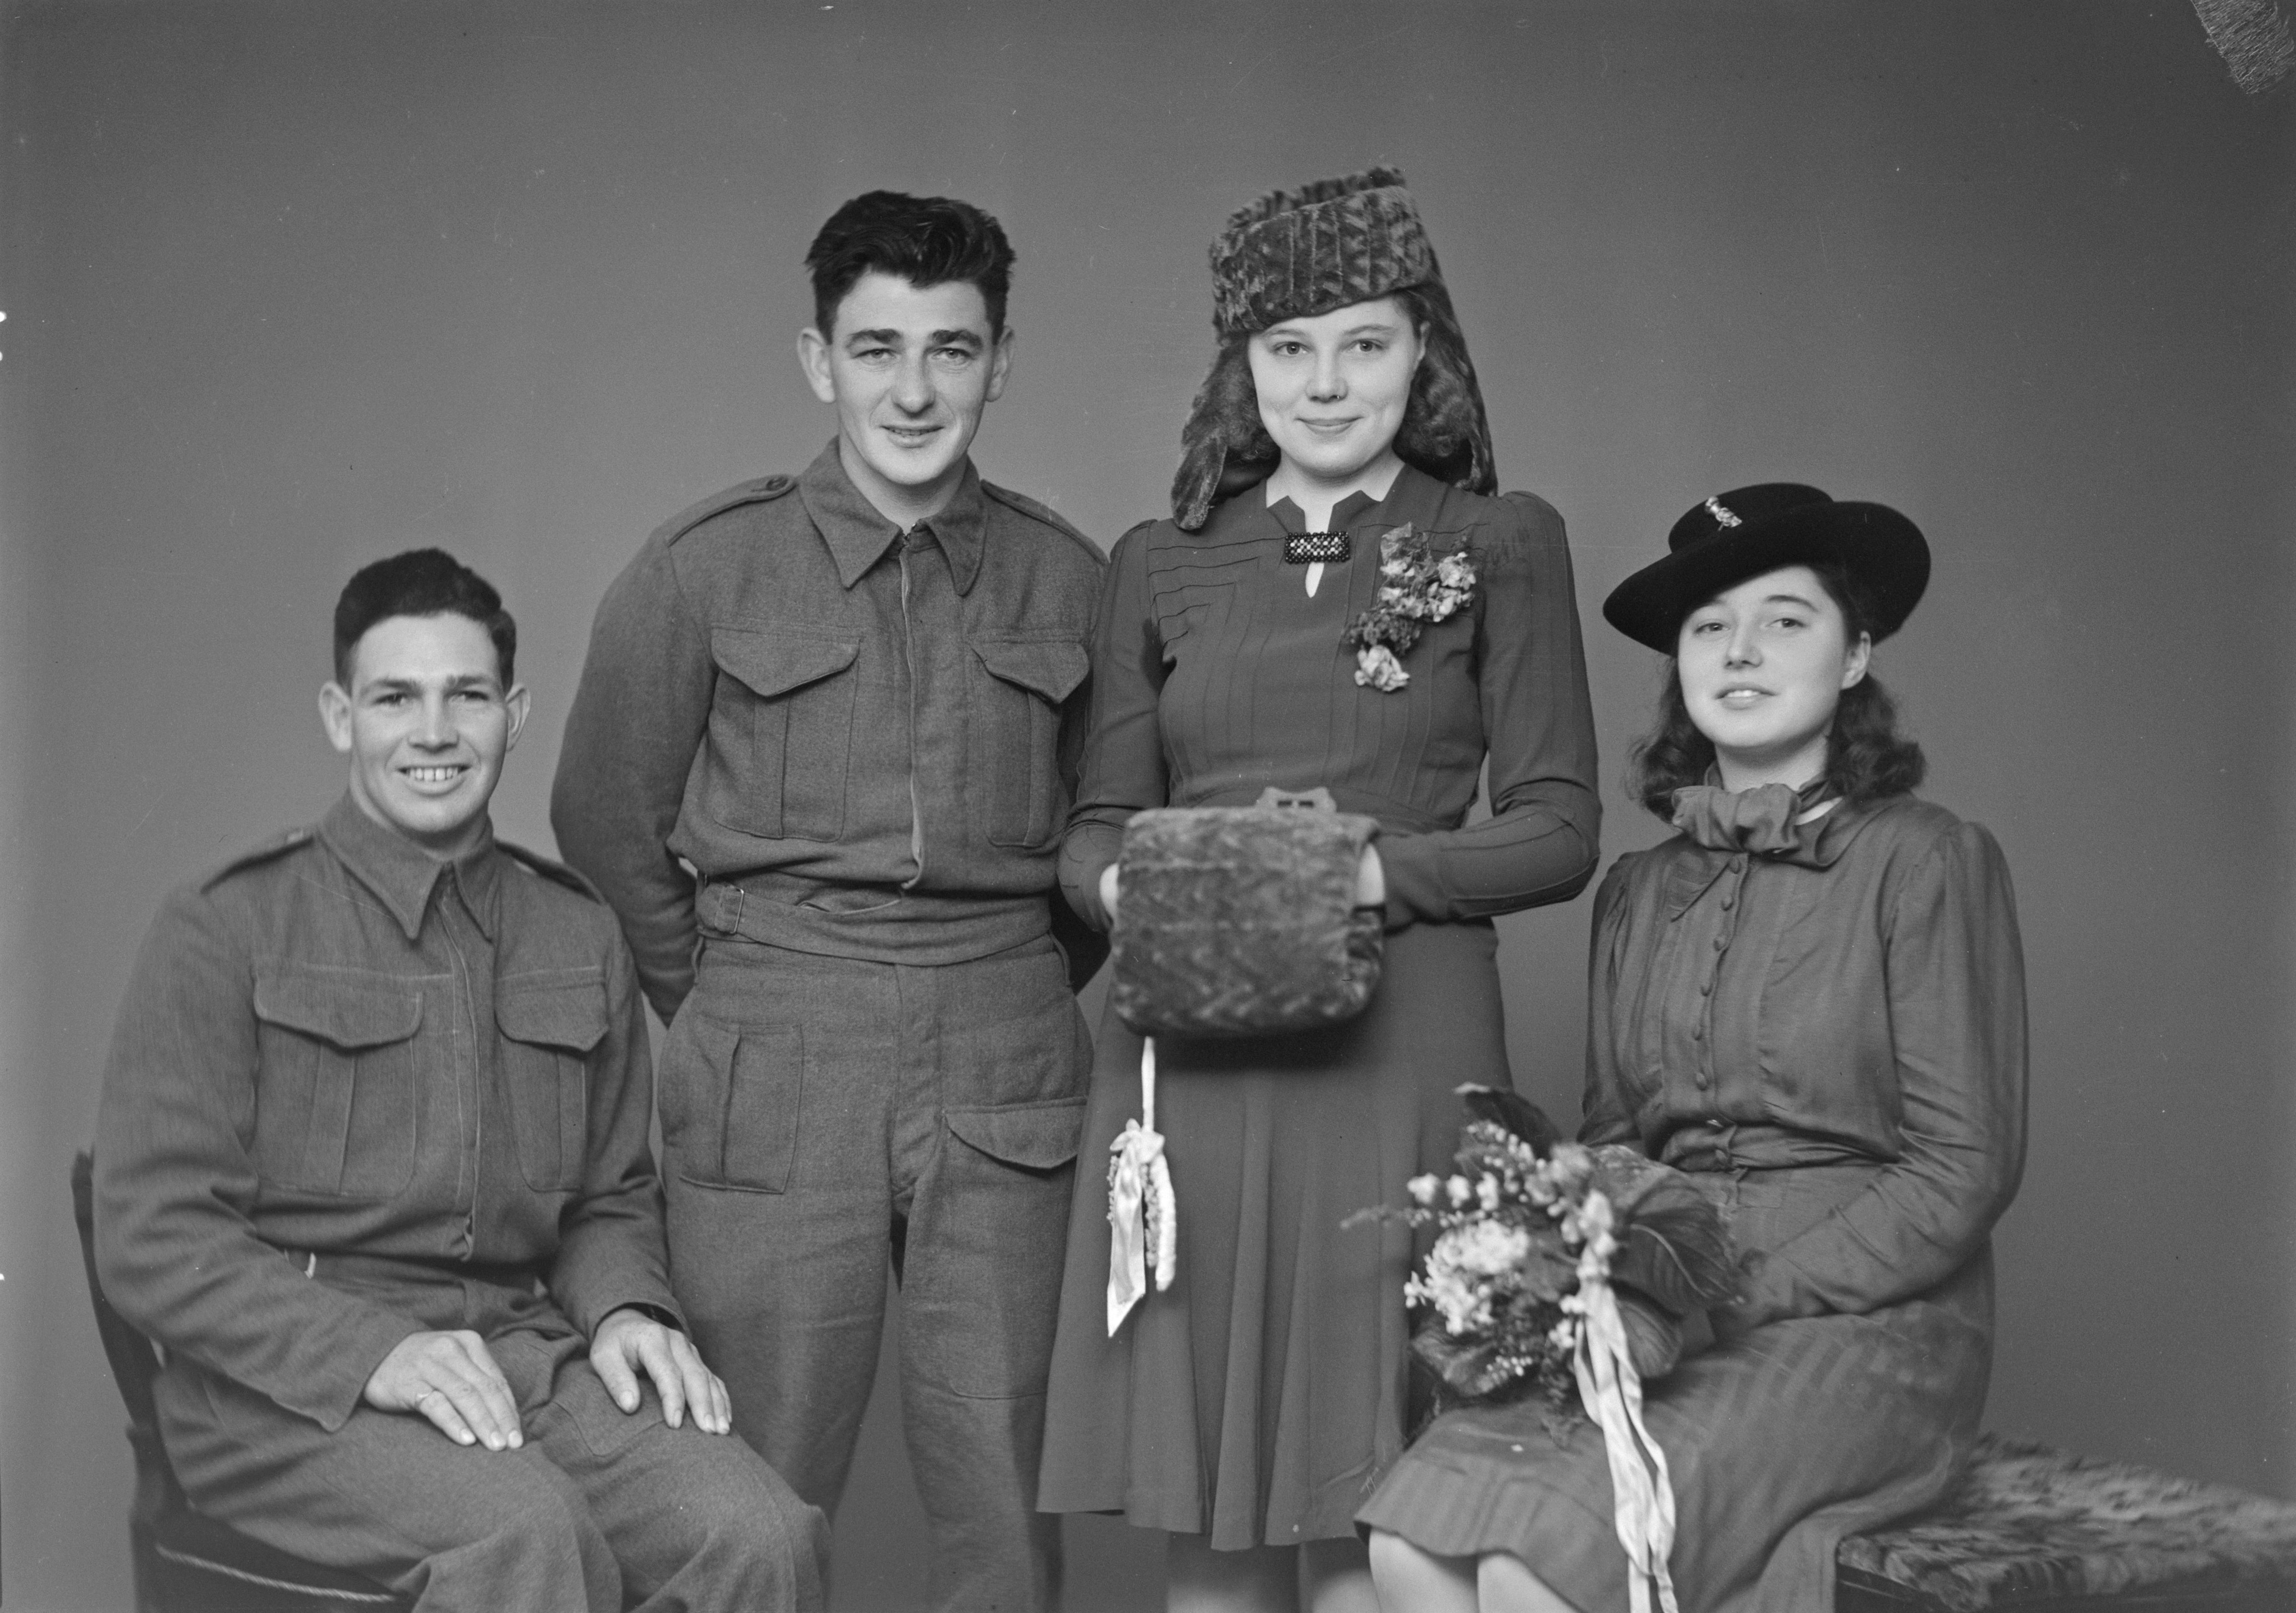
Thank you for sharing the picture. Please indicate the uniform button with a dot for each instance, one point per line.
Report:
(1737, 864)
(1728, 902)
(1702, 1082)
(1720, 942)
(1698, 1033)
(1707, 990)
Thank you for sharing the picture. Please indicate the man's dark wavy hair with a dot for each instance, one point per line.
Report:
(927, 241)
(420, 582)
(1866, 758)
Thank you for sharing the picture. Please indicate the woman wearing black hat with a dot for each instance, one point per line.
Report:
(1811, 999)
(1248, 1408)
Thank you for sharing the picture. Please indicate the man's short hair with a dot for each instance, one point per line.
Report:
(420, 582)
(927, 241)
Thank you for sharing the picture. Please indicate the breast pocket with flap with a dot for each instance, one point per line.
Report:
(781, 731)
(336, 1099)
(550, 1021)
(1016, 689)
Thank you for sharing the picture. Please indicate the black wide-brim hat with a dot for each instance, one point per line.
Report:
(1749, 530)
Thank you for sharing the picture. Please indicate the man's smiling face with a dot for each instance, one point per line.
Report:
(910, 369)
(426, 724)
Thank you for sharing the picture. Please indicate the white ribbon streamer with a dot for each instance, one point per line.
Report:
(1141, 1211)
(1613, 1393)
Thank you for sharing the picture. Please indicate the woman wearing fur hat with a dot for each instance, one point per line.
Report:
(1244, 645)
(1812, 1000)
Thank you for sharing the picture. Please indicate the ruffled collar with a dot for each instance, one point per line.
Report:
(1769, 820)
(1773, 822)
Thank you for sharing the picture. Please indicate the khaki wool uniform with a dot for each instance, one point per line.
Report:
(354, 1093)
(820, 766)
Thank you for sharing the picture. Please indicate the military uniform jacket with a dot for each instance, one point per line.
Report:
(872, 734)
(341, 1046)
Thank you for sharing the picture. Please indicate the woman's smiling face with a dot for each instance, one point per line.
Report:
(1332, 387)
(1763, 665)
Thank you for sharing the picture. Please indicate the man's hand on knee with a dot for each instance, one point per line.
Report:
(452, 1380)
(629, 1341)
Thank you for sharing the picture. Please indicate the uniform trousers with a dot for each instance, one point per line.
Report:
(825, 1119)
(597, 1510)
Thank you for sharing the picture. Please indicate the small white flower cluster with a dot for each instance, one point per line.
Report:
(1376, 668)
(1480, 1256)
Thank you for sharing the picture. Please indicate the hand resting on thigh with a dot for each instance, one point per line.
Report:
(629, 1341)
(452, 1380)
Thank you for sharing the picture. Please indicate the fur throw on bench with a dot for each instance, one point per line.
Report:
(2028, 1523)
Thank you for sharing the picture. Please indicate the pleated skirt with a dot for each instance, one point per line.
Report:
(1779, 1443)
(1260, 1398)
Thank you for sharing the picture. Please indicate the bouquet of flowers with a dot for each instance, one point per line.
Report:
(1518, 1295)
(1418, 584)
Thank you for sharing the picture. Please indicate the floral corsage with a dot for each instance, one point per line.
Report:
(1418, 584)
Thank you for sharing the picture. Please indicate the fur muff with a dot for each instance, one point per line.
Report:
(1327, 245)
(1241, 921)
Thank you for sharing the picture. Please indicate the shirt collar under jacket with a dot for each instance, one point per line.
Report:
(402, 874)
(858, 535)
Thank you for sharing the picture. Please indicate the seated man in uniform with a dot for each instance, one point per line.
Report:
(372, 1165)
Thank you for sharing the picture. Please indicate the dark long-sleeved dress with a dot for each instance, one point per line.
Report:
(1824, 1023)
(1257, 1399)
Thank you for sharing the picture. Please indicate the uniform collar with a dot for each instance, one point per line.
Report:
(858, 535)
(402, 874)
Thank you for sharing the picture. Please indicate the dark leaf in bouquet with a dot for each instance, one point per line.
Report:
(1672, 1244)
(1678, 1253)
(1654, 1338)
(1465, 1366)
(1516, 1113)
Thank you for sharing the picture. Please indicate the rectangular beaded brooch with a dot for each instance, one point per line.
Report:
(1306, 548)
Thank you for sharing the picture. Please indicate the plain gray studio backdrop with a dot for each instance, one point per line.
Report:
(291, 286)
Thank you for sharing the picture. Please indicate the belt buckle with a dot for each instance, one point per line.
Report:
(1318, 799)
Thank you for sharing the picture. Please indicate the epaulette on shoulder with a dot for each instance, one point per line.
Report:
(255, 856)
(556, 872)
(1034, 511)
(763, 490)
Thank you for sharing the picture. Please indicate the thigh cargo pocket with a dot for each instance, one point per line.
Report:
(730, 1095)
(781, 731)
(335, 1091)
(550, 1021)
(1016, 690)
(1035, 1136)
(1001, 1216)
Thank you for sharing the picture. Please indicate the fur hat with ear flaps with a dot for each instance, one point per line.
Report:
(1295, 253)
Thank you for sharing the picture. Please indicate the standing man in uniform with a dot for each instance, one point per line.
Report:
(823, 746)
(372, 1164)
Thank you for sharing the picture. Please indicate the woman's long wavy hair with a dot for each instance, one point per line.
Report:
(1226, 448)
(1866, 758)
